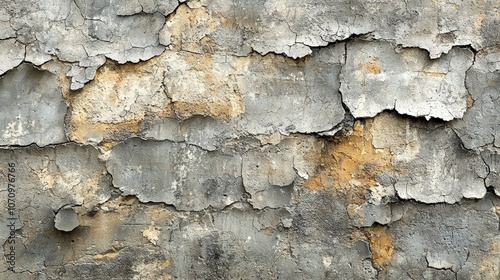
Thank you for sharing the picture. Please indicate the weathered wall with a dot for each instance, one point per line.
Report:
(235, 139)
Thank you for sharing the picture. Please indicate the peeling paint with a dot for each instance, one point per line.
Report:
(266, 139)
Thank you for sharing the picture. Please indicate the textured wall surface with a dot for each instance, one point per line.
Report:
(238, 139)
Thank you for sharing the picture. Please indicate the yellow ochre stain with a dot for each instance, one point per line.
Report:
(372, 66)
(351, 165)
(381, 244)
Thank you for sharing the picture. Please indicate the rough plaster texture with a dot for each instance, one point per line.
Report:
(32, 107)
(479, 126)
(269, 139)
(376, 77)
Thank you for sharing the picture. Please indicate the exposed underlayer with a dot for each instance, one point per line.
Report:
(266, 139)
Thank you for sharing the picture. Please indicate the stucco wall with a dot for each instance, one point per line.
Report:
(238, 139)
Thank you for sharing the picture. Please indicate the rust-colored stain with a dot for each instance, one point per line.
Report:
(478, 22)
(469, 101)
(220, 111)
(93, 109)
(63, 80)
(201, 62)
(105, 257)
(372, 66)
(350, 166)
(494, 248)
(381, 244)
(122, 98)
(195, 22)
(488, 264)
(108, 145)
(166, 265)
(211, 92)
(100, 232)
(159, 214)
(105, 224)
(433, 70)
(83, 131)
(104, 229)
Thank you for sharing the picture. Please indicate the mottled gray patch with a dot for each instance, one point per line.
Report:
(480, 125)
(179, 174)
(32, 108)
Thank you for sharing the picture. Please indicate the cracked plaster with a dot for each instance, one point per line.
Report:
(254, 140)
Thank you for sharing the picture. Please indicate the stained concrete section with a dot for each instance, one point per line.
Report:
(238, 242)
(203, 84)
(433, 165)
(83, 32)
(32, 107)
(260, 95)
(129, 263)
(266, 139)
(46, 180)
(57, 176)
(480, 124)
(115, 103)
(199, 30)
(240, 96)
(104, 241)
(293, 27)
(445, 241)
(178, 174)
(302, 149)
(145, 241)
(376, 77)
